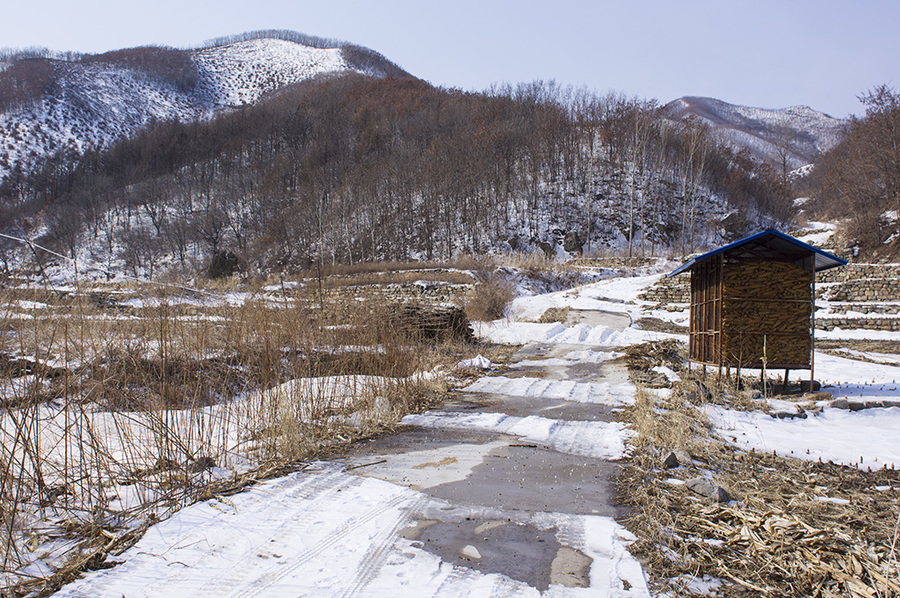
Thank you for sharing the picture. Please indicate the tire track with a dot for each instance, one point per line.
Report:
(374, 560)
(316, 489)
(329, 541)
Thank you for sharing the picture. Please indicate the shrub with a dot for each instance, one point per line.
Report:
(492, 295)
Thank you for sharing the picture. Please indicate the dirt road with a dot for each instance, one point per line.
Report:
(504, 491)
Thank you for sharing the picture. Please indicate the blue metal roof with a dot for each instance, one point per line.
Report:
(768, 244)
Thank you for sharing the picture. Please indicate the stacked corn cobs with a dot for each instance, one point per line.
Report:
(766, 312)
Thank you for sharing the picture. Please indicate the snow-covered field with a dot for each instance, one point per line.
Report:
(864, 437)
(327, 531)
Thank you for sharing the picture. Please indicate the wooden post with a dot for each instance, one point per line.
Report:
(812, 322)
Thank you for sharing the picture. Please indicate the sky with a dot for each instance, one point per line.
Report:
(761, 53)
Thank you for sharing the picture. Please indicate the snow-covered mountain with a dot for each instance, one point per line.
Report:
(49, 105)
(799, 132)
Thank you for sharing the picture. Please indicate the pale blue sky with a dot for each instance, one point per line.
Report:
(764, 53)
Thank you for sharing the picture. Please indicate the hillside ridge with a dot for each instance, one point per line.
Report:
(798, 135)
(53, 105)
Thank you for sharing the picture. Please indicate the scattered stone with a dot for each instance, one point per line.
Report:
(671, 462)
(677, 458)
(797, 413)
(571, 568)
(706, 487)
(805, 386)
(684, 457)
(470, 552)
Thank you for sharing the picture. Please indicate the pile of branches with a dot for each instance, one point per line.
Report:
(794, 528)
(432, 323)
(778, 538)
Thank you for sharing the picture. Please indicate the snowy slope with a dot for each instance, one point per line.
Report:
(89, 106)
(241, 73)
(805, 132)
(91, 103)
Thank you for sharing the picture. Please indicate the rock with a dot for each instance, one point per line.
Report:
(671, 462)
(677, 458)
(684, 457)
(572, 242)
(470, 552)
(805, 386)
(789, 414)
(840, 404)
(708, 488)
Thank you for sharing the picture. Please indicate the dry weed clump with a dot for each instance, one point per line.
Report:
(795, 528)
(492, 295)
(119, 411)
(555, 314)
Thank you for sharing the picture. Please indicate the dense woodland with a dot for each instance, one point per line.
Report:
(354, 168)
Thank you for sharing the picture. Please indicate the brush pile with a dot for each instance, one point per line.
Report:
(433, 323)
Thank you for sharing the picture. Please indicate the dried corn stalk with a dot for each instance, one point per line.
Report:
(766, 313)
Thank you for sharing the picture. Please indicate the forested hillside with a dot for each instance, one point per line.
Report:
(349, 168)
(858, 181)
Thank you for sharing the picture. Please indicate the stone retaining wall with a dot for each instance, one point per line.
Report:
(669, 290)
(869, 289)
(428, 292)
(853, 272)
(880, 309)
(892, 324)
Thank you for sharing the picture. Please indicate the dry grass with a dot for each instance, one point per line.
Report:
(554, 314)
(491, 297)
(778, 538)
(119, 414)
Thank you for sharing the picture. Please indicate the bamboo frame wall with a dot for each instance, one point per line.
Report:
(753, 313)
(705, 337)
